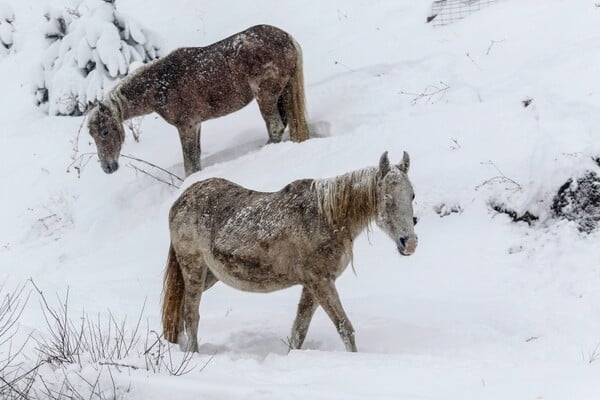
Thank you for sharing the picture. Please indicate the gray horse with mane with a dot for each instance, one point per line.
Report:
(262, 242)
(195, 84)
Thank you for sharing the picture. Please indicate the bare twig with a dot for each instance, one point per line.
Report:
(473, 61)
(287, 342)
(79, 163)
(207, 362)
(594, 355)
(84, 158)
(105, 345)
(129, 157)
(15, 380)
(456, 145)
(499, 178)
(143, 171)
(431, 94)
(75, 140)
(116, 364)
(343, 65)
(492, 43)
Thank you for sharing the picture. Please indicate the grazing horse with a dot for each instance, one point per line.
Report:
(262, 242)
(195, 84)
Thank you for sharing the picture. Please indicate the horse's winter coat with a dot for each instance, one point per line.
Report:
(195, 84)
(262, 242)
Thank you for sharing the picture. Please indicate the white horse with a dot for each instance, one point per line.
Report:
(262, 242)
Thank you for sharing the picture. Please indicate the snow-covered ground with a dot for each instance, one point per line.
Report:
(485, 308)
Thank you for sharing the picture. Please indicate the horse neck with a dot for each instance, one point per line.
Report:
(130, 101)
(348, 201)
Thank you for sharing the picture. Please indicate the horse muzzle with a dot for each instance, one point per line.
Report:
(407, 245)
(110, 166)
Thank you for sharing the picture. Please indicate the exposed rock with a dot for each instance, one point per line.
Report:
(579, 201)
(526, 217)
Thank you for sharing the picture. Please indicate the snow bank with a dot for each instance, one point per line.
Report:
(485, 308)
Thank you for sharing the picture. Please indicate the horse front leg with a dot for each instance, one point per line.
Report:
(327, 296)
(306, 309)
(189, 135)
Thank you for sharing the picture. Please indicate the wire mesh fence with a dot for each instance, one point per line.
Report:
(444, 12)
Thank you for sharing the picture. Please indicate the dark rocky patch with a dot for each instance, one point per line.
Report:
(579, 200)
(526, 217)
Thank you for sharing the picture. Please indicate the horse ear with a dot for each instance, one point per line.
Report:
(405, 163)
(103, 108)
(384, 164)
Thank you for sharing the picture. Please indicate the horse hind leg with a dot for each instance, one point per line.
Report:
(268, 103)
(194, 273)
(327, 295)
(306, 309)
(209, 281)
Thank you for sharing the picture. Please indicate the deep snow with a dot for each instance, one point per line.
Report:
(484, 309)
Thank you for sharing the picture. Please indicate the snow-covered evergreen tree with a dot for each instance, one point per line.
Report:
(90, 47)
(7, 30)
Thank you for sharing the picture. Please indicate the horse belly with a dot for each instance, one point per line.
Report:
(249, 275)
(223, 103)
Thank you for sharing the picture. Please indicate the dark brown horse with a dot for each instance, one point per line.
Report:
(262, 242)
(195, 84)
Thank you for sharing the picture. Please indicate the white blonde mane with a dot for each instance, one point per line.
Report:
(348, 199)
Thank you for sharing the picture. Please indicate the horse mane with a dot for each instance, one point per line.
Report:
(115, 100)
(132, 74)
(349, 199)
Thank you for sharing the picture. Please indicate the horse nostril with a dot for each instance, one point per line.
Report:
(415, 220)
(110, 167)
(402, 241)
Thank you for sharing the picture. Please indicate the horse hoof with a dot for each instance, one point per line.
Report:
(273, 141)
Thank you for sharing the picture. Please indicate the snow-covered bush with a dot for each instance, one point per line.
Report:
(90, 47)
(7, 30)
(579, 200)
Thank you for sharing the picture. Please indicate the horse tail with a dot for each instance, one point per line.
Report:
(172, 302)
(296, 100)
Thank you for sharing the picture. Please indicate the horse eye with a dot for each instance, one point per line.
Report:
(413, 197)
(415, 220)
(104, 133)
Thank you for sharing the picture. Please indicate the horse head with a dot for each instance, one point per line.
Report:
(106, 128)
(395, 196)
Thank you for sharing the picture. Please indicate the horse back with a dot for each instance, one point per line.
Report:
(227, 204)
(193, 84)
(256, 241)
